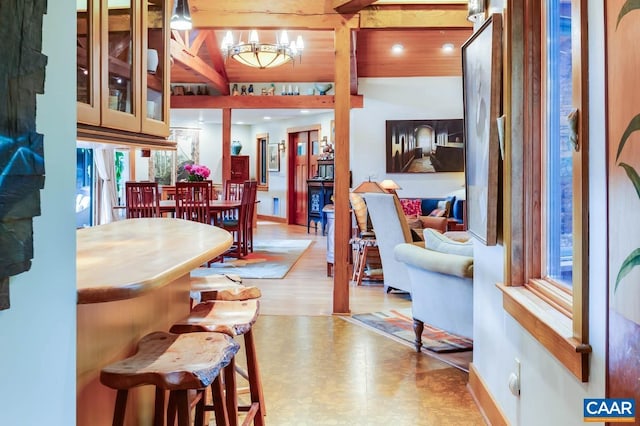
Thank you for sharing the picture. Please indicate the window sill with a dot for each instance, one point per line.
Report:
(549, 327)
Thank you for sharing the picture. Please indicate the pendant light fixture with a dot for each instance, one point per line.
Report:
(181, 17)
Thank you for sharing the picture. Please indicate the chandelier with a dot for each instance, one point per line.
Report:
(262, 55)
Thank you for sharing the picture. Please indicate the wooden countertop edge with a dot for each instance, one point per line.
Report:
(111, 294)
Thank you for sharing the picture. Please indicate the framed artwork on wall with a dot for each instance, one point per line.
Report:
(482, 83)
(425, 146)
(273, 157)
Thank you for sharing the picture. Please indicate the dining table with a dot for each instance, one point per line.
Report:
(216, 207)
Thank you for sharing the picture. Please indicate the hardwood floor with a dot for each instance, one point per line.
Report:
(319, 369)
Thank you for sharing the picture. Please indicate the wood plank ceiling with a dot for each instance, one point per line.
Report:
(197, 59)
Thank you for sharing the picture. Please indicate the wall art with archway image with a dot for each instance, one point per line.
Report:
(425, 146)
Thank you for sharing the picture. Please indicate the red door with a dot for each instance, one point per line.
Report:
(303, 164)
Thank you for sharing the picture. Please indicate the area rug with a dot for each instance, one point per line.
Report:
(270, 259)
(399, 323)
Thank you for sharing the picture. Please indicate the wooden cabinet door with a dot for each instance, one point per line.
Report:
(239, 168)
(88, 61)
(154, 112)
(120, 61)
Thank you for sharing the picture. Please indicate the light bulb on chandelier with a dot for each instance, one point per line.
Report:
(262, 55)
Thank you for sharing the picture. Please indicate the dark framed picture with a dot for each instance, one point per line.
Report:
(482, 84)
(273, 157)
(425, 146)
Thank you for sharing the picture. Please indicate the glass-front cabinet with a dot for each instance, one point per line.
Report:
(123, 65)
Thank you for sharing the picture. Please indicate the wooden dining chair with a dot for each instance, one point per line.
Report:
(142, 199)
(192, 201)
(248, 233)
(236, 223)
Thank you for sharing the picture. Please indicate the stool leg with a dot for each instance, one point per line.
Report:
(182, 401)
(171, 409)
(199, 416)
(362, 261)
(231, 394)
(121, 406)
(255, 383)
(158, 413)
(219, 407)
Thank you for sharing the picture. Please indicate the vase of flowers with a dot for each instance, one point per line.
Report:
(197, 172)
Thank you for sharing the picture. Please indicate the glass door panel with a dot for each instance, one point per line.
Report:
(120, 50)
(155, 59)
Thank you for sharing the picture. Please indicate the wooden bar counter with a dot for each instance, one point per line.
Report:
(132, 279)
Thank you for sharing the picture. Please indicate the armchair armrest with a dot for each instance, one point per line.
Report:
(449, 264)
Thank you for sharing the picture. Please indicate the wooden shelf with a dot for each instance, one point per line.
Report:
(261, 102)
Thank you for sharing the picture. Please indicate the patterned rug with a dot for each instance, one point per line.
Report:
(399, 323)
(270, 259)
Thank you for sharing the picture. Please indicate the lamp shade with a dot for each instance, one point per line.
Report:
(390, 185)
(368, 186)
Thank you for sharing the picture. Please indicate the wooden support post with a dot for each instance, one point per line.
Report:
(341, 184)
(226, 144)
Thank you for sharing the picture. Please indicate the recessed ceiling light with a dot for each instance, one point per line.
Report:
(448, 47)
(267, 118)
(397, 48)
(240, 122)
(304, 111)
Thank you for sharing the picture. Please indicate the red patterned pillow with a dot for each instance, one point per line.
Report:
(411, 206)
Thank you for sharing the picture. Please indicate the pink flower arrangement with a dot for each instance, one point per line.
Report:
(197, 172)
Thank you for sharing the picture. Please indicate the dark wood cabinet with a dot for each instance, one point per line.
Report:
(239, 168)
(319, 192)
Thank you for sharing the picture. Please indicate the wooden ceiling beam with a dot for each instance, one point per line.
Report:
(213, 47)
(403, 16)
(185, 57)
(290, 14)
(197, 42)
(351, 6)
(261, 102)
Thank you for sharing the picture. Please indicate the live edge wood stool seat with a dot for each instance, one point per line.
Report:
(233, 318)
(221, 287)
(177, 363)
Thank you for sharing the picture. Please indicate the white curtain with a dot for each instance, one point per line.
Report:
(106, 194)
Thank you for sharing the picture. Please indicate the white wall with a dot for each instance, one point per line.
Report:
(550, 394)
(384, 99)
(419, 98)
(38, 332)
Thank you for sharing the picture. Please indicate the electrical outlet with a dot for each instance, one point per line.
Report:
(514, 379)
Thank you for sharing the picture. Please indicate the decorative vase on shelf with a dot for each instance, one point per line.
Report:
(323, 88)
(236, 147)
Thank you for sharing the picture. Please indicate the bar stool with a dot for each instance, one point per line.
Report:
(233, 318)
(177, 363)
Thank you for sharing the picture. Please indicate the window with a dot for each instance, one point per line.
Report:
(262, 169)
(84, 187)
(546, 289)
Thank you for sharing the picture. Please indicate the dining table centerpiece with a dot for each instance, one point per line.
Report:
(197, 172)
